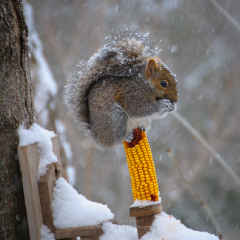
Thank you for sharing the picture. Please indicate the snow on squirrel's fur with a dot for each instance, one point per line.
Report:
(71, 209)
(140, 46)
(41, 136)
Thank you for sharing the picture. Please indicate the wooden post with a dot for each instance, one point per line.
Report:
(29, 161)
(145, 217)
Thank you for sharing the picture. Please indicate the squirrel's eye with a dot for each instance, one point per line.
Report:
(164, 83)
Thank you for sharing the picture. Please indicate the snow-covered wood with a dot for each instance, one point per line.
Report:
(37, 192)
(43, 193)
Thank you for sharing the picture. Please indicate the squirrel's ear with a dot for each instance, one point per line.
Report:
(151, 68)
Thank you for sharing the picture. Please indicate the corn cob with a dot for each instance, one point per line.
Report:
(141, 167)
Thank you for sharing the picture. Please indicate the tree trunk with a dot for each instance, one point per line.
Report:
(15, 108)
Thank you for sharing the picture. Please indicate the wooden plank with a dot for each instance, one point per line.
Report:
(46, 186)
(145, 211)
(144, 224)
(91, 232)
(29, 161)
(29, 158)
(145, 217)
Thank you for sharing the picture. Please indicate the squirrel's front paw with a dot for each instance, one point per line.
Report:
(142, 128)
(130, 135)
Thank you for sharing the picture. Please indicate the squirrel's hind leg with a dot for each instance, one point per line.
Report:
(109, 126)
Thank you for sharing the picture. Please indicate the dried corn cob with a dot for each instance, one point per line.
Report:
(141, 167)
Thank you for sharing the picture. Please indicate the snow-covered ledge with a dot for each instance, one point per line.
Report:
(71, 209)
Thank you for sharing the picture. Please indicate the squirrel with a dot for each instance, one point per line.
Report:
(121, 87)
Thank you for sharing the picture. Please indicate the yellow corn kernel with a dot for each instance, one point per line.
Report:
(142, 170)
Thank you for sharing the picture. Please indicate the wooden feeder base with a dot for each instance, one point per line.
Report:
(145, 217)
(88, 232)
(38, 195)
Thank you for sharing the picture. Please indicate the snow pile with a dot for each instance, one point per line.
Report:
(117, 232)
(41, 136)
(165, 227)
(46, 234)
(169, 228)
(71, 209)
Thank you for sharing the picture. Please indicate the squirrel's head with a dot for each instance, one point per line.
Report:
(162, 80)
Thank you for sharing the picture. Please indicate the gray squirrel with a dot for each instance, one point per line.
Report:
(121, 87)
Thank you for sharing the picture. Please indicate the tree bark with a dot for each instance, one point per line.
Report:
(15, 108)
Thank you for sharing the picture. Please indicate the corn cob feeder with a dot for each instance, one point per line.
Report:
(143, 180)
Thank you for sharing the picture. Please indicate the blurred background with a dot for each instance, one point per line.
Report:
(196, 151)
